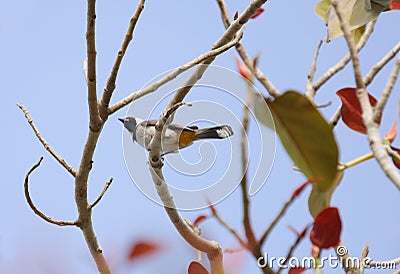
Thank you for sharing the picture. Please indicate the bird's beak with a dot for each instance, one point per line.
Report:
(121, 120)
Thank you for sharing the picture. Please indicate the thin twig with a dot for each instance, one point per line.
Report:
(211, 248)
(105, 188)
(335, 117)
(310, 92)
(260, 76)
(110, 86)
(367, 112)
(230, 33)
(230, 229)
(251, 239)
(151, 88)
(364, 254)
(378, 66)
(276, 219)
(299, 238)
(386, 92)
(32, 205)
(46, 145)
(345, 60)
(95, 123)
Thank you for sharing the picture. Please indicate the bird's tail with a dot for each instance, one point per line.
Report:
(218, 132)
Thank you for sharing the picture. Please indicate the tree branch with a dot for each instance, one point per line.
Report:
(95, 123)
(211, 248)
(228, 35)
(279, 216)
(345, 60)
(335, 117)
(260, 76)
(105, 188)
(32, 205)
(310, 92)
(300, 237)
(386, 92)
(110, 86)
(251, 239)
(59, 159)
(229, 228)
(378, 66)
(151, 88)
(367, 113)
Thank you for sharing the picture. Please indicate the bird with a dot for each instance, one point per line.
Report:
(174, 136)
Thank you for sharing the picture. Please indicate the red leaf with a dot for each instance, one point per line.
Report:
(296, 270)
(142, 249)
(391, 134)
(196, 268)
(327, 228)
(243, 70)
(395, 162)
(395, 4)
(236, 15)
(300, 189)
(257, 13)
(199, 220)
(351, 109)
(212, 207)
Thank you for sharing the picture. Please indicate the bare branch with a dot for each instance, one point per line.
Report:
(345, 60)
(229, 228)
(310, 92)
(105, 188)
(378, 66)
(260, 76)
(32, 205)
(95, 123)
(367, 112)
(300, 237)
(251, 239)
(279, 216)
(110, 86)
(387, 91)
(335, 117)
(231, 32)
(151, 88)
(59, 159)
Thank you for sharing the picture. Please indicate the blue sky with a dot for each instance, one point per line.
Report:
(42, 54)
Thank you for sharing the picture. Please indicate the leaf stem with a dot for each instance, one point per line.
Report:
(359, 160)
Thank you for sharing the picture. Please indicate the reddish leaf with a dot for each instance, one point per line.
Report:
(257, 13)
(300, 189)
(299, 234)
(391, 134)
(196, 268)
(395, 4)
(351, 109)
(142, 249)
(199, 220)
(243, 70)
(327, 228)
(395, 162)
(236, 15)
(296, 270)
(212, 207)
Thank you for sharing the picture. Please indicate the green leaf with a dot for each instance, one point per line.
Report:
(262, 112)
(307, 137)
(321, 199)
(358, 33)
(321, 8)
